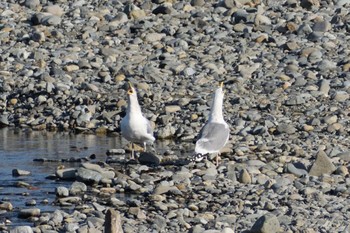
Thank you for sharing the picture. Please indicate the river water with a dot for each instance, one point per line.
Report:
(18, 149)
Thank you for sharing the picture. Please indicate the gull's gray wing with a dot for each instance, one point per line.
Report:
(212, 137)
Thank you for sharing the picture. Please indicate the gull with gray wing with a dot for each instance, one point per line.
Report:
(215, 133)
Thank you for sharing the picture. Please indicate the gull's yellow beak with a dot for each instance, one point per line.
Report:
(221, 85)
(130, 89)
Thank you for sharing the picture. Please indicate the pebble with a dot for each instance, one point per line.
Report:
(88, 176)
(32, 4)
(297, 169)
(322, 165)
(26, 213)
(244, 177)
(6, 206)
(149, 159)
(210, 174)
(341, 96)
(67, 173)
(22, 229)
(266, 224)
(344, 156)
(286, 128)
(19, 172)
(54, 10)
(172, 108)
(31, 202)
(46, 19)
(62, 191)
(166, 132)
(325, 87)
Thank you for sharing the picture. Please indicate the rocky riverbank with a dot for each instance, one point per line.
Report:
(285, 65)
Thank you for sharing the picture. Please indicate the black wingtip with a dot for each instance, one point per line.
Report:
(198, 157)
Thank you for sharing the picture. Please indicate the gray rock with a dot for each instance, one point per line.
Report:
(295, 100)
(322, 26)
(286, 128)
(153, 37)
(46, 19)
(32, 4)
(4, 121)
(344, 156)
(68, 201)
(5, 205)
(148, 158)
(315, 57)
(115, 152)
(210, 174)
(57, 217)
(77, 188)
(308, 4)
(266, 224)
(231, 173)
(71, 227)
(330, 119)
(315, 36)
(172, 108)
(88, 176)
(322, 165)
(197, 2)
(181, 177)
(244, 177)
(162, 10)
(189, 71)
(31, 202)
(120, 19)
(325, 86)
(54, 10)
(22, 229)
(326, 65)
(161, 189)
(227, 230)
(66, 174)
(166, 132)
(341, 96)
(159, 223)
(296, 169)
(27, 213)
(62, 191)
(19, 172)
(342, 2)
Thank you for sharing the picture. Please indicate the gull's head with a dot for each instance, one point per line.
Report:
(131, 89)
(219, 91)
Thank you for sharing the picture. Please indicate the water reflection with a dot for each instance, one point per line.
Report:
(53, 144)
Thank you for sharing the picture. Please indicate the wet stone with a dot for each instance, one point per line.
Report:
(66, 174)
(19, 172)
(148, 158)
(26, 213)
(22, 229)
(87, 175)
(62, 191)
(77, 188)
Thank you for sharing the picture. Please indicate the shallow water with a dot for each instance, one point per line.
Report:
(18, 149)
